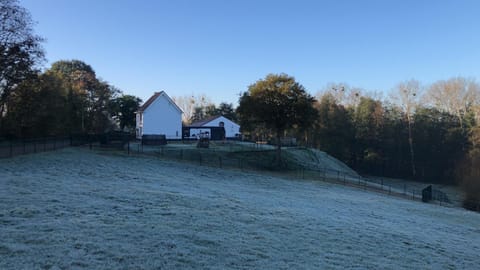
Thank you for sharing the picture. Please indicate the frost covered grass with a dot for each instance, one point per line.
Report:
(79, 209)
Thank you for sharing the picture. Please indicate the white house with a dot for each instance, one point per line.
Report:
(232, 129)
(159, 115)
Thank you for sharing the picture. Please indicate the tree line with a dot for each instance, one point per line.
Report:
(68, 98)
(422, 133)
(425, 133)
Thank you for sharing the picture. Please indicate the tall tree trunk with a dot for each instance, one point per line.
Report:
(279, 149)
(410, 142)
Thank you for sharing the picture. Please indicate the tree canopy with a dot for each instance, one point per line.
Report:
(277, 103)
(20, 49)
(123, 108)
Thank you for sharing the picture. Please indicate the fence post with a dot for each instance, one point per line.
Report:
(128, 147)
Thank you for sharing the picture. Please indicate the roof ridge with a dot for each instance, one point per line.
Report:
(154, 97)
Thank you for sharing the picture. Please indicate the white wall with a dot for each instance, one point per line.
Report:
(162, 117)
(195, 132)
(231, 128)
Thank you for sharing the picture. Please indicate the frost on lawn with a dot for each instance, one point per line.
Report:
(75, 208)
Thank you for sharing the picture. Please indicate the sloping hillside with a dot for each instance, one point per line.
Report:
(261, 155)
(79, 209)
(312, 159)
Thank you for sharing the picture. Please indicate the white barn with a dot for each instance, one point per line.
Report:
(232, 129)
(159, 115)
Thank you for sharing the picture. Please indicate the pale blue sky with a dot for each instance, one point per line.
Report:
(220, 47)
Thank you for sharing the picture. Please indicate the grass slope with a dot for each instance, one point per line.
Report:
(79, 209)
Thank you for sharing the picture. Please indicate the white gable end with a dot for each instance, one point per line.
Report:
(232, 129)
(162, 116)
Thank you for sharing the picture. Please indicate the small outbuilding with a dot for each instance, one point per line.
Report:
(159, 115)
(214, 125)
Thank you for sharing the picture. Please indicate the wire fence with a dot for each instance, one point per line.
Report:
(13, 148)
(260, 157)
(231, 155)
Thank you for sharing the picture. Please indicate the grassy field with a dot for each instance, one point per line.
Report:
(81, 209)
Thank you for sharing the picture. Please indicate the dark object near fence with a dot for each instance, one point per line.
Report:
(114, 139)
(427, 194)
(203, 142)
(154, 140)
(472, 205)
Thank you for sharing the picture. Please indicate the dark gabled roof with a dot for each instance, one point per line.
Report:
(204, 121)
(153, 98)
(149, 101)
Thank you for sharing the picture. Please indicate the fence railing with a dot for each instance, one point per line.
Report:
(225, 158)
(21, 147)
(232, 156)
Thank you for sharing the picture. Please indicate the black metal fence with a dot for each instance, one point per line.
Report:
(11, 148)
(261, 158)
(21, 147)
(233, 155)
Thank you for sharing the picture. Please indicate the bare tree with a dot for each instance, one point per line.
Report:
(342, 93)
(407, 94)
(188, 103)
(456, 96)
